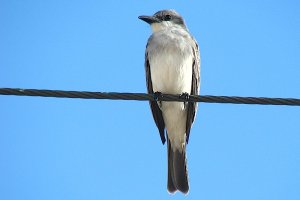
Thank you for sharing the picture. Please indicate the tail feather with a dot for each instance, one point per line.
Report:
(177, 170)
(171, 186)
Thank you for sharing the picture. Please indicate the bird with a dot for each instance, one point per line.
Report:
(172, 65)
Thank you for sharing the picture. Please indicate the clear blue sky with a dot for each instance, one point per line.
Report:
(100, 149)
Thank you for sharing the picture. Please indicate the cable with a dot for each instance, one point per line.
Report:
(150, 97)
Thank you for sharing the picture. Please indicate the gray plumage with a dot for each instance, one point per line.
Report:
(172, 66)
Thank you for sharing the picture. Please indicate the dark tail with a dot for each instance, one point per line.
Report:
(177, 170)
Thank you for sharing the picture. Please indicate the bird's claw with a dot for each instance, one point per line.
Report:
(157, 96)
(185, 96)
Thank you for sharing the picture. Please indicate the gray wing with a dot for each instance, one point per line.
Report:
(156, 112)
(192, 106)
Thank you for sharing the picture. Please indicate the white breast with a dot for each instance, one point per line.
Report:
(171, 60)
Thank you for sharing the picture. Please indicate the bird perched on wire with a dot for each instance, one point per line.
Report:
(172, 64)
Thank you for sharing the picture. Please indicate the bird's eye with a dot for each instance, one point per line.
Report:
(168, 17)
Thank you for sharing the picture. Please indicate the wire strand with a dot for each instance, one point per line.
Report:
(149, 97)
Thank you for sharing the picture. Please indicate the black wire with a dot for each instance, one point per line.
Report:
(149, 97)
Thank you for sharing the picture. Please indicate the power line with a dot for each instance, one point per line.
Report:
(149, 97)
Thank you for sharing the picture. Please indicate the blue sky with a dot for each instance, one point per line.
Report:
(100, 149)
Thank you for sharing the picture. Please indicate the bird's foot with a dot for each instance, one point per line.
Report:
(157, 96)
(185, 96)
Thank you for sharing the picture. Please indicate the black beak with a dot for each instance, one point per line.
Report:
(149, 19)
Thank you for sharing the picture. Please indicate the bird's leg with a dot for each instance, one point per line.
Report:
(157, 97)
(185, 96)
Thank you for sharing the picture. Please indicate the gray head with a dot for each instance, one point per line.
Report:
(164, 19)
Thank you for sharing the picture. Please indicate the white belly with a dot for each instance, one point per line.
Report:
(172, 74)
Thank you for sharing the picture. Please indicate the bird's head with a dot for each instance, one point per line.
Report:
(164, 19)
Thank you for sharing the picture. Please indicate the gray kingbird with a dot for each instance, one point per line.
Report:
(172, 64)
